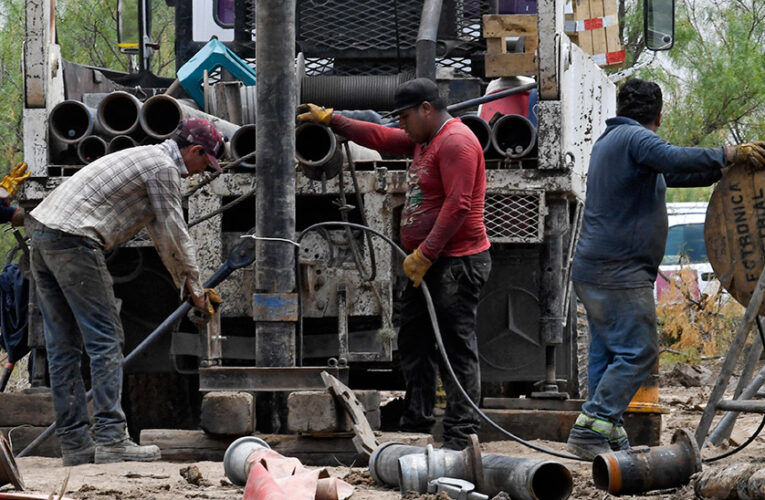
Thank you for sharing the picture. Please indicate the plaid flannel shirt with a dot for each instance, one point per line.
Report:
(113, 198)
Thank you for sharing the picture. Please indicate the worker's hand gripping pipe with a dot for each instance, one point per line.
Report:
(440, 342)
(242, 255)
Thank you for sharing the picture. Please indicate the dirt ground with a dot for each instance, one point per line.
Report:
(164, 480)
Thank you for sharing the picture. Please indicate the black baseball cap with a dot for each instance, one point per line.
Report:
(413, 93)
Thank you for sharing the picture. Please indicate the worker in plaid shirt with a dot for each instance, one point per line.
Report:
(104, 204)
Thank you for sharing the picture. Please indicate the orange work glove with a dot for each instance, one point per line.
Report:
(313, 113)
(415, 266)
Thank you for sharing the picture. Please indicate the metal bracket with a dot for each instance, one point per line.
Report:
(364, 440)
(458, 489)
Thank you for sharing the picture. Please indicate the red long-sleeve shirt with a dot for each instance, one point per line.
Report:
(443, 211)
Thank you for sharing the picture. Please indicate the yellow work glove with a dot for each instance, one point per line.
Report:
(313, 113)
(415, 266)
(751, 154)
(13, 180)
(213, 300)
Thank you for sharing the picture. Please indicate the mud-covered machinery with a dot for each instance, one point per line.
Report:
(337, 308)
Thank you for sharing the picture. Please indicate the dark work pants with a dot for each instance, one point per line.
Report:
(455, 284)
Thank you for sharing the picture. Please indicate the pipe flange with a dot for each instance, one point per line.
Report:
(9, 472)
(235, 458)
(473, 451)
(684, 438)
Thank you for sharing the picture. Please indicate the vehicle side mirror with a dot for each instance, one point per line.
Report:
(659, 24)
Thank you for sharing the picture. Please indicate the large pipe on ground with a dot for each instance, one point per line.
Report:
(161, 115)
(513, 136)
(243, 143)
(412, 467)
(70, 121)
(480, 129)
(119, 113)
(91, 148)
(317, 152)
(638, 470)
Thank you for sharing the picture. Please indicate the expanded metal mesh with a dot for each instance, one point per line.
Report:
(515, 217)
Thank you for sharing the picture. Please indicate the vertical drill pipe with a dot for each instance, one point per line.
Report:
(243, 143)
(480, 129)
(119, 143)
(70, 121)
(119, 113)
(513, 136)
(275, 182)
(91, 148)
(638, 470)
(161, 115)
(427, 37)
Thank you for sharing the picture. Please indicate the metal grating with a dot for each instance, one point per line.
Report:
(515, 217)
(339, 25)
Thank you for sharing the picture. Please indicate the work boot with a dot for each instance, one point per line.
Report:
(618, 440)
(126, 451)
(78, 456)
(589, 437)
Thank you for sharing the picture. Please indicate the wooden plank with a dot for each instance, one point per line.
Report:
(495, 25)
(496, 46)
(21, 436)
(582, 12)
(598, 35)
(613, 42)
(510, 64)
(17, 408)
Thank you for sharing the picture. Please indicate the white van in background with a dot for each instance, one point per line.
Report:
(686, 249)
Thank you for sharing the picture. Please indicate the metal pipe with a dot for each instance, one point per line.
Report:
(638, 470)
(317, 152)
(161, 115)
(480, 128)
(275, 341)
(513, 136)
(352, 92)
(243, 143)
(119, 143)
(412, 467)
(235, 463)
(91, 148)
(427, 36)
(119, 113)
(72, 120)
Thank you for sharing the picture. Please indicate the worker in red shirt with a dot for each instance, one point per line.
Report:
(442, 226)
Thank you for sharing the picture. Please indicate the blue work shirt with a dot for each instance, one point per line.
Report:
(624, 228)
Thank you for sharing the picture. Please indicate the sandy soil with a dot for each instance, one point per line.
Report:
(164, 481)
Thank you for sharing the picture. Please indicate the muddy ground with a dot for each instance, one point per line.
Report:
(164, 480)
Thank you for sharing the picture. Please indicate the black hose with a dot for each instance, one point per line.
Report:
(440, 343)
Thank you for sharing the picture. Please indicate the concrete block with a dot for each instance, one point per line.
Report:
(228, 413)
(317, 411)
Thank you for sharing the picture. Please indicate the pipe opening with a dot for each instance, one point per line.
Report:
(480, 129)
(513, 136)
(91, 148)
(314, 144)
(118, 113)
(243, 143)
(119, 143)
(552, 481)
(160, 117)
(600, 474)
(70, 121)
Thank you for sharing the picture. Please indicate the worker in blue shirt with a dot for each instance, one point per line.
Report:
(622, 240)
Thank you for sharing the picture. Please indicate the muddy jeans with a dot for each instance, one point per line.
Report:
(79, 309)
(455, 284)
(623, 346)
